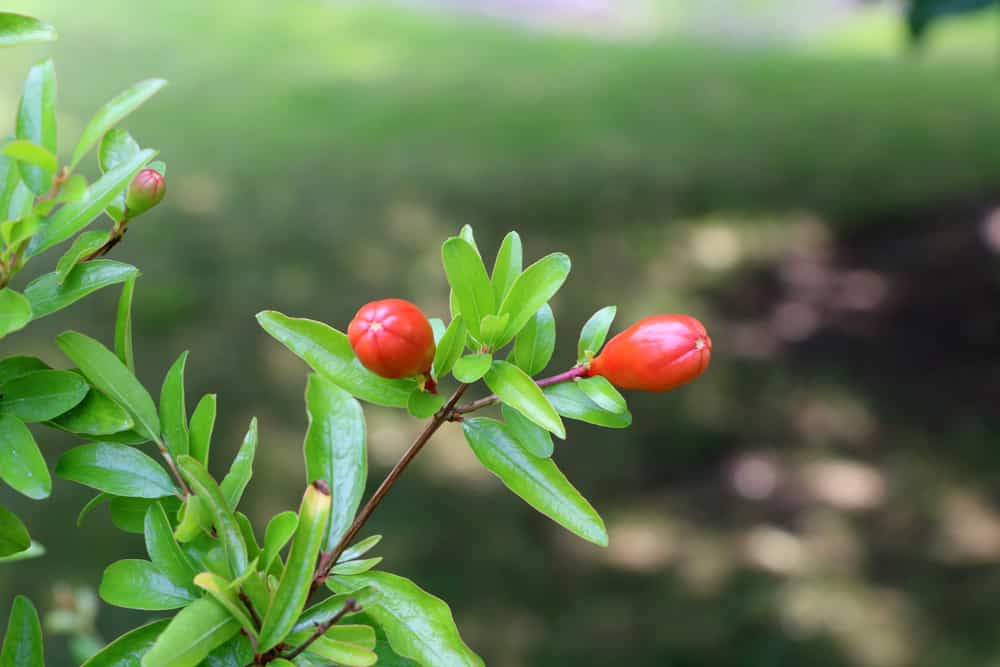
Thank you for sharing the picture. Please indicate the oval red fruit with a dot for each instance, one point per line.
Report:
(392, 338)
(658, 353)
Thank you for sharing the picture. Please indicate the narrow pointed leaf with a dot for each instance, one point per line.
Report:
(202, 425)
(223, 593)
(532, 290)
(249, 537)
(95, 415)
(31, 154)
(241, 470)
(193, 633)
(36, 121)
(173, 409)
(164, 551)
(47, 295)
(18, 29)
(116, 469)
(15, 311)
(83, 245)
(342, 653)
(123, 325)
(364, 596)
(533, 438)
(13, 534)
(449, 348)
(127, 650)
(603, 393)
(112, 113)
(508, 265)
(91, 505)
(42, 395)
(22, 643)
(222, 516)
(537, 481)
(138, 584)
(279, 530)
(594, 332)
(535, 343)
(517, 389)
(12, 368)
(117, 146)
(570, 401)
(469, 282)
(129, 514)
(360, 549)
(21, 463)
(356, 566)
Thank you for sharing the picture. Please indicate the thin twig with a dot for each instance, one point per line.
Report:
(565, 376)
(165, 453)
(349, 606)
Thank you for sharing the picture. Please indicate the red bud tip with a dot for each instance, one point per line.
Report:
(144, 192)
(322, 486)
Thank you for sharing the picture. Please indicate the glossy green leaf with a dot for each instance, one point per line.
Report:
(363, 635)
(112, 113)
(18, 29)
(449, 348)
(21, 463)
(95, 415)
(468, 280)
(116, 469)
(472, 367)
(517, 389)
(47, 295)
(294, 585)
(532, 290)
(13, 534)
(73, 217)
(360, 549)
(222, 591)
(594, 332)
(469, 237)
(123, 325)
(570, 401)
(164, 551)
(117, 146)
(491, 329)
(241, 469)
(536, 440)
(364, 596)
(424, 404)
(438, 328)
(22, 201)
(36, 121)
(91, 505)
(15, 311)
(225, 524)
(83, 245)
(129, 437)
(335, 451)
(535, 343)
(537, 481)
(106, 372)
(30, 153)
(10, 178)
(202, 425)
(193, 633)
(418, 625)
(507, 266)
(356, 566)
(329, 353)
(279, 530)
(127, 650)
(138, 584)
(15, 232)
(18, 366)
(36, 550)
(236, 652)
(42, 395)
(342, 653)
(173, 409)
(603, 394)
(193, 519)
(129, 514)
(22, 644)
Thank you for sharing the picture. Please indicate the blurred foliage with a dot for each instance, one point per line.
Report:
(823, 496)
(920, 14)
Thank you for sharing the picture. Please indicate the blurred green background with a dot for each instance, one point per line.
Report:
(826, 201)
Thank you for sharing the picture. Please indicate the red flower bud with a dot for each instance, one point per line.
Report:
(392, 338)
(657, 353)
(144, 192)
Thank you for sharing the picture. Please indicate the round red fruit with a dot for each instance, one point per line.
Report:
(658, 353)
(392, 338)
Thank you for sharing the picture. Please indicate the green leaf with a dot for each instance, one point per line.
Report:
(123, 325)
(75, 216)
(47, 295)
(13, 534)
(173, 411)
(342, 653)
(467, 235)
(335, 451)
(594, 332)
(468, 280)
(91, 505)
(36, 550)
(164, 551)
(241, 469)
(294, 585)
(222, 591)
(130, 437)
(437, 328)
(424, 404)
(279, 530)
(192, 634)
(106, 372)
(116, 469)
(236, 652)
(419, 626)
(329, 353)
(222, 516)
(15, 311)
(507, 266)
(18, 29)
(360, 549)
(83, 245)
(537, 481)
(492, 327)
(95, 415)
(129, 514)
(117, 146)
(449, 348)
(36, 121)
(471, 367)
(365, 597)
(192, 519)
(202, 425)
(21, 463)
(30, 155)
(532, 290)
(138, 584)
(10, 179)
(42, 395)
(363, 635)
(249, 539)
(355, 566)
(603, 394)
(22, 201)
(517, 389)
(112, 113)
(22, 645)
(129, 648)
(15, 232)
(535, 343)
(534, 439)
(570, 401)
(18, 366)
